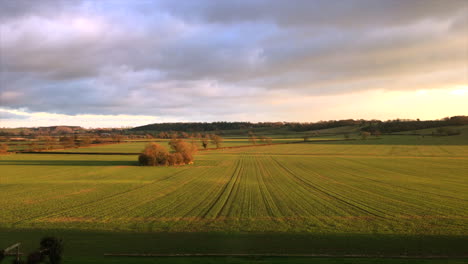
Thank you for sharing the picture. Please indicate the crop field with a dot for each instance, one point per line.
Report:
(351, 149)
(248, 191)
(347, 189)
(137, 147)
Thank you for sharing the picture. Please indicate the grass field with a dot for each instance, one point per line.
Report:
(376, 197)
(137, 147)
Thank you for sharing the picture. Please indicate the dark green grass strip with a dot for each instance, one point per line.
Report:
(81, 243)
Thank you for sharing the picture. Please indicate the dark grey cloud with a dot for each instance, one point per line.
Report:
(173, 58)
(350, 13)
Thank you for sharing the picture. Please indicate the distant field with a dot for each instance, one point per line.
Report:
(462, 129)
(350, 188)
(137, 147)
(411, 189)
(357, 149)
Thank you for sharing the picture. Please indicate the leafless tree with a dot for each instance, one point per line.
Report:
(3, 148)
(252, 139)
(204, 141)
(216, 140)
(365, 135)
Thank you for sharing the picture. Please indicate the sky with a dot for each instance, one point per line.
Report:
(117, 63)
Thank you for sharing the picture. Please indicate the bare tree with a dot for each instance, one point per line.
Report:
(62, 130)
(174, 135)
(216, 140)
(252, 139)
(33, 146)
(162, 135)
(365, 135)
(204, 141)
(3, 148)
(48, 142)
(117, 138)
(85, 141)
(67, 142)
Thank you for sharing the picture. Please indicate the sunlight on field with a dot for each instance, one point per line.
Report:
(313, 188)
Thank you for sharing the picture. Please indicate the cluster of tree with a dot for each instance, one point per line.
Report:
(367, 125)
(175, 134)
(399, 125)
(157, 155)
(62, 131)
(194, 126)
(217, 126)
(41, 131)
(307, 126)
(204, 139)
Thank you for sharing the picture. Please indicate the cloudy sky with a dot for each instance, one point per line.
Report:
(116, 63)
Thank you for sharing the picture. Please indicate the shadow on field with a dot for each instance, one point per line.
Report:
(81, 243)
(69, 162)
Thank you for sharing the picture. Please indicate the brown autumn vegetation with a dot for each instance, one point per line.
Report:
(3, 148)
(216, 140)
(365, 135)
(157, 155)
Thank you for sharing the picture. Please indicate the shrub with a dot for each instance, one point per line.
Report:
(178, 158)
(156, 155)
(153, 155)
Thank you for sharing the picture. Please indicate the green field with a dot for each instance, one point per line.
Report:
(137, 147)
(391, 196)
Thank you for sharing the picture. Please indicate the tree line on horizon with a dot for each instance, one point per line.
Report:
(409, 125)
(164, 130)
(388, 126)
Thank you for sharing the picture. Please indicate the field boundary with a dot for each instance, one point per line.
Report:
(283, 255)
(79, 153)
(207, 149)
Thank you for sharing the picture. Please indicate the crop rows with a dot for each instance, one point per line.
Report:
(356, 150)
(259, 189)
